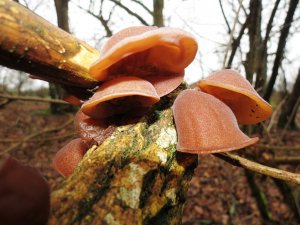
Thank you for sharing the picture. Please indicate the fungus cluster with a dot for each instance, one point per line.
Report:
(138, 66)
(207, 119)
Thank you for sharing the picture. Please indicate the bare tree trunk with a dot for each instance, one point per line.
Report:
(56, 91)
(158, 18)
(261, 73)
(255, 40)
(288, 106)
(281, 46)
(62, 9)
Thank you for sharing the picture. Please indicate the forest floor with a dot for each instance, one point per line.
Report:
(219, 193)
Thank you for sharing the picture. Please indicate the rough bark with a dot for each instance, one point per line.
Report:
(254, 27)
(290, 103)
(134, 177)
(281, 46)
(158, 17)
(31, 44)
(261, 73)
(62, 9)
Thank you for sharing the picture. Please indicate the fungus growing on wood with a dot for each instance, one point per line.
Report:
(68, 157)
(205, 124)
(146, 52)
(92, 131)
(119, 96)
(234, 90)
(24, 194)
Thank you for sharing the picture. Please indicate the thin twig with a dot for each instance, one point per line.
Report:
(143, 6)
(275, 113)
(259, 168)
(231, 33)
(225, 18)
(35, 99)
(294, 111)
(130, 12)
(13, 140)
(35, 134)
(276, 148)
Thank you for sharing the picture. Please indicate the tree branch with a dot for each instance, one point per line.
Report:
(280, 48)
(130, 12)
(225, 18)
(231, 33)
(35, 134)
(259, 168)
(34, 99)
(33, 45)
(143, 6)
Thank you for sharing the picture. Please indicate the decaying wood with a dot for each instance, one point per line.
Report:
(135, 177)
(31, 44)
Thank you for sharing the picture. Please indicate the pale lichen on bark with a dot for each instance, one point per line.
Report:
(134, 177)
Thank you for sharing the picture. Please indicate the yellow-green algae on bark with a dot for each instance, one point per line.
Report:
(134, 177)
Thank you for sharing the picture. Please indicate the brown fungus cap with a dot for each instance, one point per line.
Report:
(234, 90)
(119, 96)
(68, 157)
(204, 124)
(145, 51)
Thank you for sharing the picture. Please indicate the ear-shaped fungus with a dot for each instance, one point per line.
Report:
(92, 131)
(68, 157)
(144, 52)
(119, 96)
(234, 90)
(206, 125)
(24, 194)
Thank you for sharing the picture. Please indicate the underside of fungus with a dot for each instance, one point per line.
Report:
(119, 96)
(205, 124)
(235, 91)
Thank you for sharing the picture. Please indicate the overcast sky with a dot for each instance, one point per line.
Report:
(200, 17)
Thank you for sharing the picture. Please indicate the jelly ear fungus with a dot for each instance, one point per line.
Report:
(205, 124)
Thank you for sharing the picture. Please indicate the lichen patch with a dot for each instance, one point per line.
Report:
(167, 137)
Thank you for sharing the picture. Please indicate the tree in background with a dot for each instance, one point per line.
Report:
(56, 91)
(290, 107)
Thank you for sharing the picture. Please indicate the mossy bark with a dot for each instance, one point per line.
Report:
(135, 176)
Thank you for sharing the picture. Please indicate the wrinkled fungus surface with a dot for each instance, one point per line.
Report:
(206, 125)
(92, 131)
(68, 157)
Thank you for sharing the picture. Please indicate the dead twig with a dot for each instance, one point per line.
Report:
(294, 111)
(285, 159)
(34, 99)
(259, 168)
(4, 102)
(35, 134)
(284, 148)
(10, 140)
